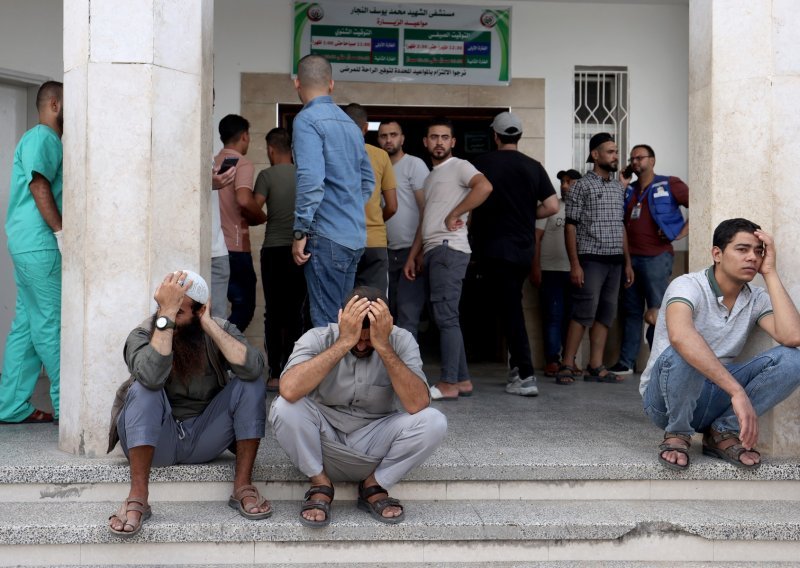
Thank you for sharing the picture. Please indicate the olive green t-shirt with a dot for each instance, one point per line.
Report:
(278, 185)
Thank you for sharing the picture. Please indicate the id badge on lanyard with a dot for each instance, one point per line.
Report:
(637, 211)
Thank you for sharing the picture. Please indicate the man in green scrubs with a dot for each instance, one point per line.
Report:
(33, 227)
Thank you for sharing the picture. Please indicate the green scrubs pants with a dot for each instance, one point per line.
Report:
(35, 336)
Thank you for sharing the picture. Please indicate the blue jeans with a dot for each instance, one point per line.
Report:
(680, 400)
(241, 289)
(330, 274)
(651, 278)
(446, 269)
(556, 304)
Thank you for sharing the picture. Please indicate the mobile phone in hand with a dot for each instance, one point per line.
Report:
(227, 164)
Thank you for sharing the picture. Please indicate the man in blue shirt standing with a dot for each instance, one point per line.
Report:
(33, 227)
(334, 182)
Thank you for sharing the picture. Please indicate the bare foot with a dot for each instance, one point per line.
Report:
(464, 387)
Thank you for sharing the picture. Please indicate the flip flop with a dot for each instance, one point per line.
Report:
(436, 394)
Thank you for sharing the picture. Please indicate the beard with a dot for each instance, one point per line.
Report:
(610, 167)
(362, 354)
(188, 350)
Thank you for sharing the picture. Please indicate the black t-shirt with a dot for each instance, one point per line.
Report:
(504, 226)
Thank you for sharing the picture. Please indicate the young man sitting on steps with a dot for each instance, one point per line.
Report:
(691, 382)
(354, 406)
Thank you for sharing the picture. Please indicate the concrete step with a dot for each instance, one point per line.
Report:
(465, 531)
(568, 490)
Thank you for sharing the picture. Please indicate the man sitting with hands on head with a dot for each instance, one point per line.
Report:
(354, 405)
(181, 404)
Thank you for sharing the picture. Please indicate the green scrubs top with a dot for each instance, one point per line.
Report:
(39, 151)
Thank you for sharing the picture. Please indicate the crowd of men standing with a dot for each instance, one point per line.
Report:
(366, 237)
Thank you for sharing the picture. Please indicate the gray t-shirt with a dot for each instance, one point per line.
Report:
(277, 184)
(356, 391)
(445, 187)
(725, 332)
(401, 228)
(553, 256)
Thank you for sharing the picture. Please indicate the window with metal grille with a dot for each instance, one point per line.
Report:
(601, 105)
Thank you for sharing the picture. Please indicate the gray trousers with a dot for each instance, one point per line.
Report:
(220, 275)
(406, 297)
(373, 269)
(446, 269)
(238, 412)
(396, 443)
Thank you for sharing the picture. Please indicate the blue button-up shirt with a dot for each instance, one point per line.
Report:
(334, 175)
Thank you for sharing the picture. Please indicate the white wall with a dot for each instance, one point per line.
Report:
(31, 37)
(548, 40)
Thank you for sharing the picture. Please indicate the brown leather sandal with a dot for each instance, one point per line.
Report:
(35, 417)
(730, 454)
(683, 449)
(236, 501)
(131, 504)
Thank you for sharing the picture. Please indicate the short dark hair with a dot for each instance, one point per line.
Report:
(47, 91)
(648, 149)
(440, 121)
(231, 128)
(509, 138)
(391, 121)
(370, 293)
(314, 71)
(279, 139)
(358, 113)
(727, 230)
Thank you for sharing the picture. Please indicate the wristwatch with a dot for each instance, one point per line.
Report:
(299, 235)
(163, 322)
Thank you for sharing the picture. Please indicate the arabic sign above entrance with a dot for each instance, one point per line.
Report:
(398, 43)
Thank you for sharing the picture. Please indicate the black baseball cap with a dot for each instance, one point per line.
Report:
(572, 174)
(598, 140)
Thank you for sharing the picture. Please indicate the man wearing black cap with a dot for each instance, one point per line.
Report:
(550, 274)
(598, 251)
(503, 230)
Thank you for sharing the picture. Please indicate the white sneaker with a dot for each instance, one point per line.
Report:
(523, 387)
(513, 375)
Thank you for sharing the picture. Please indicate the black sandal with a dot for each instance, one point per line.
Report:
(316, 504)
(593, 374)
(665, 447)
(376, 508)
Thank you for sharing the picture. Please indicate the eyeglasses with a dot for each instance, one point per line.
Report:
(639, 158)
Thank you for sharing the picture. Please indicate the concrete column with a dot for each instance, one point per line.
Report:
(137, 151)
(744, 152)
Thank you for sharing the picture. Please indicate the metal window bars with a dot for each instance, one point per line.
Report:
(601, 105)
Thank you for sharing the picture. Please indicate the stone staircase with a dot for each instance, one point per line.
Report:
(566, 479)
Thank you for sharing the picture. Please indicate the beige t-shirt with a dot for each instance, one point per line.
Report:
(384, 181)
(234, 225)
(445, 187)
